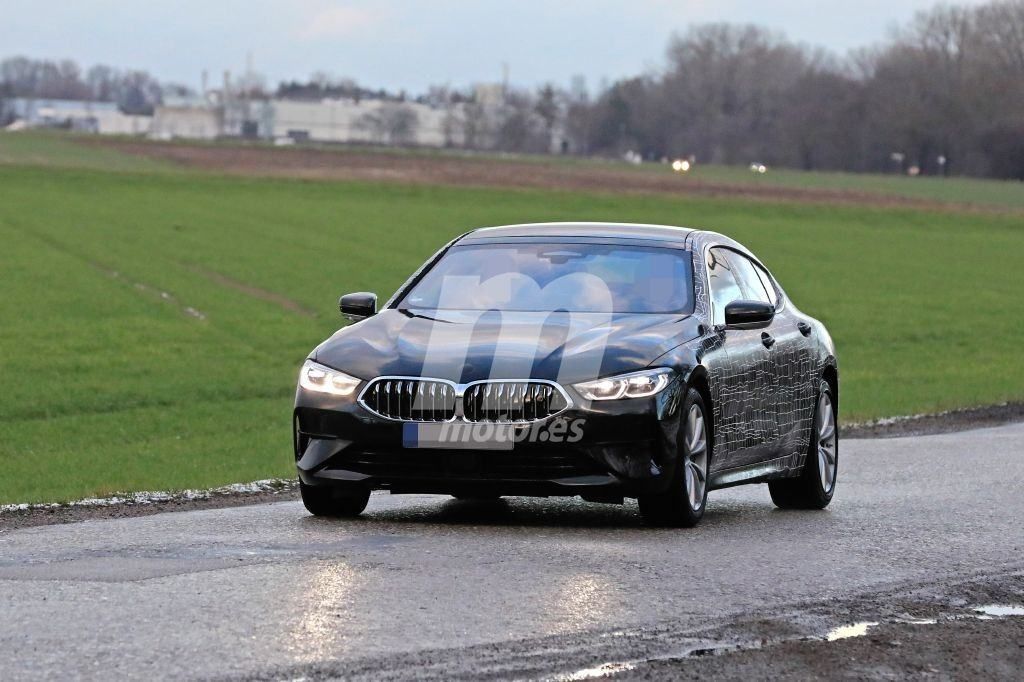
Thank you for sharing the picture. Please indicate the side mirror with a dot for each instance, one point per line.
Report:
(358, 306)
(748, 314)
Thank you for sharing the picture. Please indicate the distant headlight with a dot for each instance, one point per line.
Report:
(635, 385)
(316, 377)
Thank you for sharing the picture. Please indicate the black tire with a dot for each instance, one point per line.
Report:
(336, 501)
(807, 491)
(673, 508)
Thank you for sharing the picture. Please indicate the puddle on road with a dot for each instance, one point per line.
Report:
(999, 610)
(985, 612)
(848, 631)
(603, 670)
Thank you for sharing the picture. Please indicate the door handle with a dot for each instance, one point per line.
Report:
(767, 339)
(804, 328)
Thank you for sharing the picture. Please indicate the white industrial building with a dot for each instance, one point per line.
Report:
(92, 117)
(365, 121)
(344, 120)
(352, 121)
(191, 118)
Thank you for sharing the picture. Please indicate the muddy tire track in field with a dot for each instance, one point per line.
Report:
(147, 290)
(250, 290)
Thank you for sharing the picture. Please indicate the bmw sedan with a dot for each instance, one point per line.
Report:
(608, 361)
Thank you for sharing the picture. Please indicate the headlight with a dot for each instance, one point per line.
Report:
(636, 385)
(316, 377)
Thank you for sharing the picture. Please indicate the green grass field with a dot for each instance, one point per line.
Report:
(153, 322)
(59, 150)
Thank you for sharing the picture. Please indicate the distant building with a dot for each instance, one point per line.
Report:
(85, 116)
(252, 119)
(364, 121)
(217, 113)
(189, 119)
(490, 95)
(53, 112)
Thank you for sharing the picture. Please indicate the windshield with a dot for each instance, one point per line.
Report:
(548, 277)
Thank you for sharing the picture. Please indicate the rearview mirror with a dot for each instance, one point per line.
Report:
(748, 314)
(358, 306)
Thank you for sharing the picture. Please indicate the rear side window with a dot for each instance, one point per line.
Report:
(724, 287)
(766, 280)
(749, 280)
(733, 277)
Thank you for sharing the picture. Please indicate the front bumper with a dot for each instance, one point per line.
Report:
(621, 448)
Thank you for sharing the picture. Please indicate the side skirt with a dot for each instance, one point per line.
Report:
(759, 472)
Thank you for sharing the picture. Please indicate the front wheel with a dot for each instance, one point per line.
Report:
(682, 505)
(339, 501)
(814, 487)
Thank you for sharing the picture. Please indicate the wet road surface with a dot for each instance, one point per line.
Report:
(424, 581)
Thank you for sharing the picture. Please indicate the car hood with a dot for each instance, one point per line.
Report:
(464, 346)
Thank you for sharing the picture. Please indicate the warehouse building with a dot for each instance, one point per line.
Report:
(92, 117)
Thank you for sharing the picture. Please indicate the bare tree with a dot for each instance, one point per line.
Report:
(944, 92)
(134, 91)
(391, 123)
(477, 126)
(549, 110)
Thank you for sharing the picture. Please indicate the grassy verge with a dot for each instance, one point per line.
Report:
(153, 322)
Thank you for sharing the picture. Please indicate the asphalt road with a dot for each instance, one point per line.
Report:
(427, 586)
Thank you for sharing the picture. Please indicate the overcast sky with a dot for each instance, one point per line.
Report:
(409, 44)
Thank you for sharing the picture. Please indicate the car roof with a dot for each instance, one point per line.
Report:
(590, 231)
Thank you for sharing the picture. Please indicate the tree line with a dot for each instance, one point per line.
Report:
(943, 95)
(134, 91)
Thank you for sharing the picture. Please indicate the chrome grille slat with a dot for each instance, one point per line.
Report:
(419, 400)
(511, 402)
(416, 399)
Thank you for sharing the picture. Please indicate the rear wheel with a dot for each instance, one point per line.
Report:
(682, 505)
(814, 487)
(345, 500)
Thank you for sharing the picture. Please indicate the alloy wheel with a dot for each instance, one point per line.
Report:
(696, 457)
(825, 430)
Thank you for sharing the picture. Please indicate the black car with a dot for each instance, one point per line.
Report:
(600, 360)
